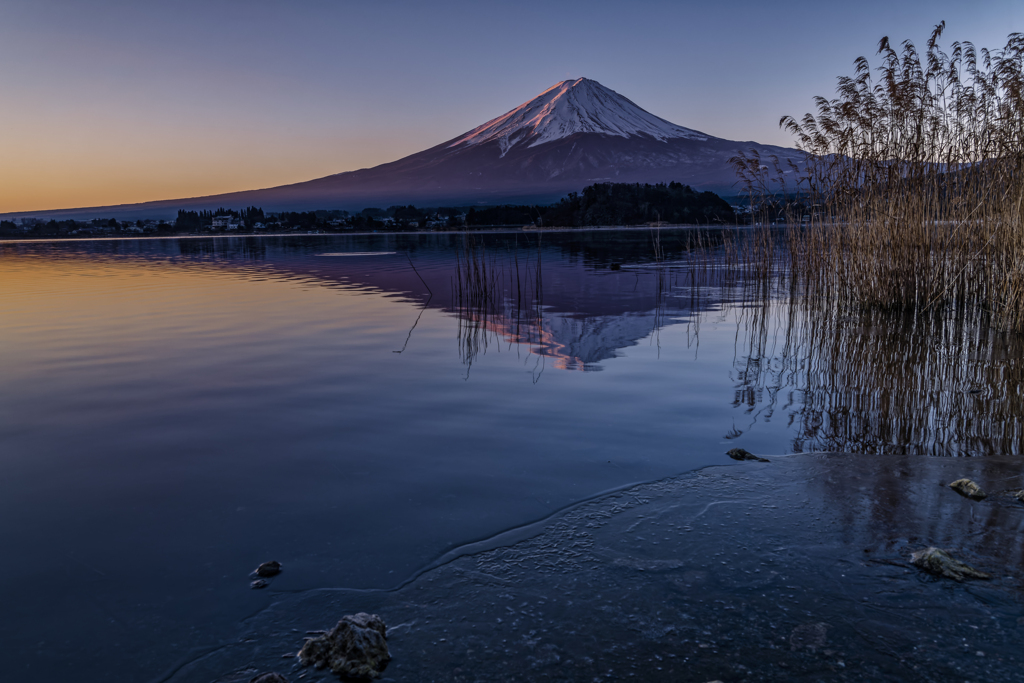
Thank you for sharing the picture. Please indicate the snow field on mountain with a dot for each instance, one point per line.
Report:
(570, 107)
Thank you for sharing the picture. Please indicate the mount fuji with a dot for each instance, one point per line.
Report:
(574, 134)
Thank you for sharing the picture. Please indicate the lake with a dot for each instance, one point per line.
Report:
(175, 412)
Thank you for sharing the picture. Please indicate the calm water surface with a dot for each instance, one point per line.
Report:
(174, 412)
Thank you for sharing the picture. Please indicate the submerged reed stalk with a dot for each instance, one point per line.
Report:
(495, 296)
(912, 191)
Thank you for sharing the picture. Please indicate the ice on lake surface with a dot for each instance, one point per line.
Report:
(794, 570)
(175, 412)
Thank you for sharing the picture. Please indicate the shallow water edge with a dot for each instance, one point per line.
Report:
(797, 569)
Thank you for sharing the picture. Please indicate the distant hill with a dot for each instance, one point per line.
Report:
(574, 134)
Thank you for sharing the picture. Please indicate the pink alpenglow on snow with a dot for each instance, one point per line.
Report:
(570, 107)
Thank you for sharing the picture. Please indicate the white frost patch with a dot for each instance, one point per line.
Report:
(579, 106)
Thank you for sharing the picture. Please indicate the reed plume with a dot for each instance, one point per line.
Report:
(910, 196)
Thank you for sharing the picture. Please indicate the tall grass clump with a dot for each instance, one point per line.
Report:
(911, 194)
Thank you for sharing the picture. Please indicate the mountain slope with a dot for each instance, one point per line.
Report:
(574, 134)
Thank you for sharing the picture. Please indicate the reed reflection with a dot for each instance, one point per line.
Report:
(498, 296)
(882, 382)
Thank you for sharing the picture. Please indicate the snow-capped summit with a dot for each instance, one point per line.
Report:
(570, 107)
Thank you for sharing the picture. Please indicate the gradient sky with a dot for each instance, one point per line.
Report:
(108, 102)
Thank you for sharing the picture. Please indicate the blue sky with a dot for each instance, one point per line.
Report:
(110, 102)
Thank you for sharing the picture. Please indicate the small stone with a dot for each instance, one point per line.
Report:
(272, 568)
(272, 677)
(968, 489)
(939, 562)
(258, 583)
(356, 648)
(742, 454)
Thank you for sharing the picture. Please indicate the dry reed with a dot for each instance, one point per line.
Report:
(495, 294)
(911, 194)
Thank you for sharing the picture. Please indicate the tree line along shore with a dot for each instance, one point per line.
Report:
(596, 205)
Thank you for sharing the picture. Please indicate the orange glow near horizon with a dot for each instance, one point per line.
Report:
(141, 306)
(56, 175)
(86, 184)
(104, 158)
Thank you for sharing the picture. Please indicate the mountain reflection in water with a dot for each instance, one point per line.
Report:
(875, 381)
(592, 296)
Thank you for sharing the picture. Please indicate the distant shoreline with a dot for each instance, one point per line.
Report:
(490, 231)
